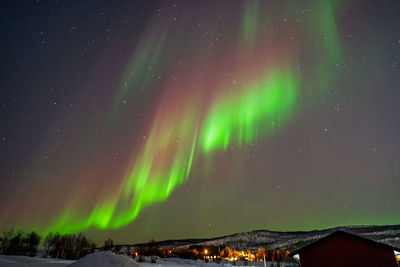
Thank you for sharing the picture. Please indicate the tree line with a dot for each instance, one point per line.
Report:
(53, 245)
(19, 243)
(67, 246)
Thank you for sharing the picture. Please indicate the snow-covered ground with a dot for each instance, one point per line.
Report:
(14, 261)
(107, 258)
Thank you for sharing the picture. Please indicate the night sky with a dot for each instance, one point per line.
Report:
(175, 119)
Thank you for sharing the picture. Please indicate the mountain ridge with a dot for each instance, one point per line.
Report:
(388, 234)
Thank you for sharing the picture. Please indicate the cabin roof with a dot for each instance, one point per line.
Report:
(343, 233)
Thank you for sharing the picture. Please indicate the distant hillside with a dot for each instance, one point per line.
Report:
(288, 240)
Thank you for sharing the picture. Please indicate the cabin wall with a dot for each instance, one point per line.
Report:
(346, 251)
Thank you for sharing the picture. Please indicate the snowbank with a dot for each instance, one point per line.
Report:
(104, 258)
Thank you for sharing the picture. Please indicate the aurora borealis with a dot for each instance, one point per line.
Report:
(177, 119)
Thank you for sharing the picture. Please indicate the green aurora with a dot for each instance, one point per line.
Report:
(241, 80)
(257, 109)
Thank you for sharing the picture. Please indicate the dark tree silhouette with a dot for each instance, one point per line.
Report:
(108, 244)
(32, 241)
(19, 243)
(67, 246)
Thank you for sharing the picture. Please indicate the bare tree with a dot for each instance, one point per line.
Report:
(108, 244)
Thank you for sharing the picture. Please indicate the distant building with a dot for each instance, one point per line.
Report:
(345, 249)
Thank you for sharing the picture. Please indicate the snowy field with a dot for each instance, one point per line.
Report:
(6, 260)
(106, 258)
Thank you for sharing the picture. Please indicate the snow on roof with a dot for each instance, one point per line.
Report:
(296, 257)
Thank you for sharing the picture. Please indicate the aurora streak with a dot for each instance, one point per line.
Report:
(202, 116)
(174, 119)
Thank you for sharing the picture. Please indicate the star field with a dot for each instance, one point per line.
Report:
(178, 119)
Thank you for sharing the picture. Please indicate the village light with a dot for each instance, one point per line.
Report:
(397, 255)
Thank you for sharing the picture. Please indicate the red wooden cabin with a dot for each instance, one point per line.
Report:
(345, 249)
